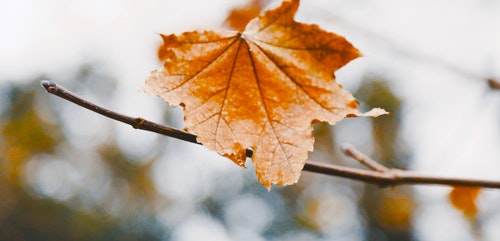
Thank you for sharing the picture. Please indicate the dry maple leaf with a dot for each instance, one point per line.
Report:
(260, 89)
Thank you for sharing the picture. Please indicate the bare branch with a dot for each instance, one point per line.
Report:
(350, 151)
(379, 175)
(494, 84)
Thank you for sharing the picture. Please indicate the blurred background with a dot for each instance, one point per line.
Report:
(69, 174)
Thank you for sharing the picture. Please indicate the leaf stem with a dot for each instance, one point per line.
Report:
(379, 174)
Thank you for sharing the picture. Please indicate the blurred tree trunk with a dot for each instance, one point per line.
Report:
(388, 212)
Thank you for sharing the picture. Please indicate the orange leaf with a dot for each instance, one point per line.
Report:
(238, 18)
(464, 199)
(258, 89)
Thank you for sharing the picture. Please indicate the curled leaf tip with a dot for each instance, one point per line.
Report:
(376, 112)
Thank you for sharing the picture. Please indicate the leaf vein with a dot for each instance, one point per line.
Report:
(290, 169)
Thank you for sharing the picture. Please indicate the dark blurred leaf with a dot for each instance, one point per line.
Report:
(30, 127)
(396, 211)
(24, 133)
(136, 175)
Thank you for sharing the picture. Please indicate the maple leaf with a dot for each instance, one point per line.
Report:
(260, 89)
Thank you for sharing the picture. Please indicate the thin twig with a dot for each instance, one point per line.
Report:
(135, 122)
(350, 151)
(493, 82)
(380, 175)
